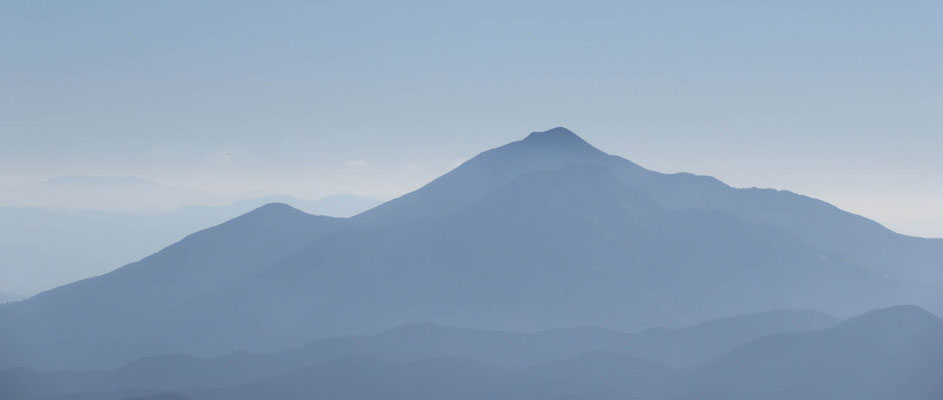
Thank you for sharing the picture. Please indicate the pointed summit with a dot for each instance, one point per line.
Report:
(540, 151)
(558, 132)
(558, 137)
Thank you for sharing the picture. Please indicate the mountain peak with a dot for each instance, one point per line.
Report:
(558, 138)
(268, 214)
(559, 135)
(274, 209)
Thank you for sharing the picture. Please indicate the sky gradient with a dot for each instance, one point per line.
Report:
(838, 101)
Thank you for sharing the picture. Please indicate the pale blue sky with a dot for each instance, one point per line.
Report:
(840, 101)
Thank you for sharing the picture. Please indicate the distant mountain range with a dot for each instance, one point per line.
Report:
(133, 195)
(416, 342)
(7, 297)
(540, 233)
(105, 193)
(45, 248)
(889, 353)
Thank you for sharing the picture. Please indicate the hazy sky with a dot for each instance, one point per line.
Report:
(839, 101)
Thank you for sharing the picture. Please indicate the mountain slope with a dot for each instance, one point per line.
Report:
(45, 248)
(890, 353)
(916, 261)
(593, 376)
(564, 247)
(540, 151)
(148, 306)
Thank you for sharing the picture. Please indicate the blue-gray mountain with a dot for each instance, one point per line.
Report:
(540, 233)
(894, 353)
(44, 248)
(416, 342)
(888, 353)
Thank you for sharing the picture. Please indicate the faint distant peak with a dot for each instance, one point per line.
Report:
(275, 208)
(86, 180)
(270, 212)
(338, 205)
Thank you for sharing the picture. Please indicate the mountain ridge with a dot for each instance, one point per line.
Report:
(554, 231)
(815, 362)
(426, 341)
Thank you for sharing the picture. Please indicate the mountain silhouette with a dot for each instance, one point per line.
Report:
(888, 353)
(160, 294)
(681, 347)
(539, 151)
(540, 233)
(45, 248)
(597, 375)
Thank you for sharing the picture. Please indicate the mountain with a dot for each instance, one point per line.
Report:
(338, 205)
(819, 224)
(437, 378)
(673, 347)
(687, 346)
(541, 233)
(144, 305)
(889, 353)
(539, 151)
(595, 375)
(45, 248)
